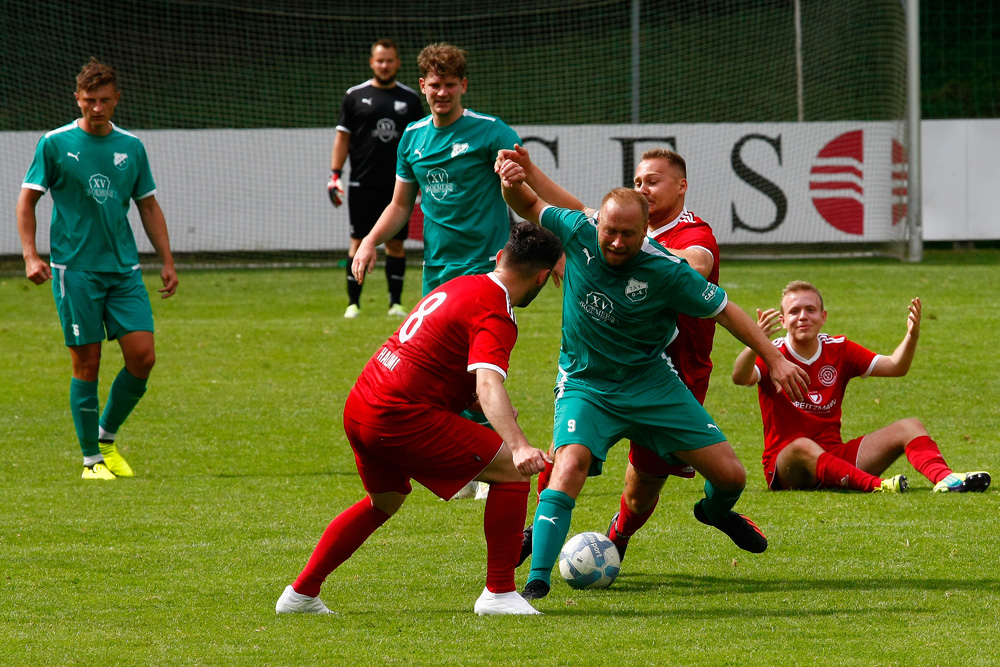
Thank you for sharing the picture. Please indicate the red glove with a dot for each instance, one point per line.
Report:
(335, 188)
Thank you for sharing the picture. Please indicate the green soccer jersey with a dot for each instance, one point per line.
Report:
(617, 321)
(92, 179)
(465, 217)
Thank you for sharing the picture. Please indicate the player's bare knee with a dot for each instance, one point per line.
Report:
(911, 428)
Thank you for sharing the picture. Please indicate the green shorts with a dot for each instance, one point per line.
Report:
(91, 303)
(438, 274)
(655, 410)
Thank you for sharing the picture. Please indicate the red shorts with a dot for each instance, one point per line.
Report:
(646, 461)
(439, 449)
(846, 452)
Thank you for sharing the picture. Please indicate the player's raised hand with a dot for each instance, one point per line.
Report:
(913, 320)
(335, 188)
(511, 173)
(518, 154)
(769, 321)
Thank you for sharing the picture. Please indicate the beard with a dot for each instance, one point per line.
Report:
(385, 82)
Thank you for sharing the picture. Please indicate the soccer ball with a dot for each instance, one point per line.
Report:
(589, 560)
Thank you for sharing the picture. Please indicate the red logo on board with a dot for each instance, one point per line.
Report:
(836, 183)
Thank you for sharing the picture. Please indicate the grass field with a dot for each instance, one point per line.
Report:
(241, 463)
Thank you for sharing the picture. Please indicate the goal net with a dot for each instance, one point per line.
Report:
(790, 113)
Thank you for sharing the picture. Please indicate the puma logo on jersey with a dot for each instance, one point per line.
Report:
(419, 152)
(366, 100)
(75, 157)
(589, 256)
(550, 519)
(458, 149)
(712, 426)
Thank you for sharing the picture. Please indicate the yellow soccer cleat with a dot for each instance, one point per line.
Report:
(115, 462)
(352, 311)
(897, 484)
(97, 471)
(962, 482)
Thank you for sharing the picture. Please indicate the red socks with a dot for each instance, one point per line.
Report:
(628, 522)
(839, 474)
(924, 455)
(503, 521)
(543, 478)
(341, 538)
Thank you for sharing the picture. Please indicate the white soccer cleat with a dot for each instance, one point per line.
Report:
(503, 604)
(291, 602)
(467, 491)
(352, 311)
(482, 491)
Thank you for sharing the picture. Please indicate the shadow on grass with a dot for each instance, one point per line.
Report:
(691, 585)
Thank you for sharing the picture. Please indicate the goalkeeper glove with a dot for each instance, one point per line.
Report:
(335, 188)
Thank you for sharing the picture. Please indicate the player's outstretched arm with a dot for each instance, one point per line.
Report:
(786, 376)
(898, 364)
(744, 369)
(156, 230)
(34, 266)
(538, 180)
(395, 215)
(496, 406)
(518, 195)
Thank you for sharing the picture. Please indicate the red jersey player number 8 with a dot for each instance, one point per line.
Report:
(416, 318)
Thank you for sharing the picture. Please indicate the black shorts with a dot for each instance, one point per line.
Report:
(365, 205)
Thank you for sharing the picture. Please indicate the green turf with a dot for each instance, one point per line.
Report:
(241, 463)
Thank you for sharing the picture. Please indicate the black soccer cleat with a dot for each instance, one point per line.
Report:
(621, 543)
(535, 590)
(740, 529)
(529, 530)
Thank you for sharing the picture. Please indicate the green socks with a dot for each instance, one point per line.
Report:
(717, 503)
(552, 519)
(126, 391)
(85, 409)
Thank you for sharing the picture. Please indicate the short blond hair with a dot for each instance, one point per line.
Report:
(800, 286)
(668, 155)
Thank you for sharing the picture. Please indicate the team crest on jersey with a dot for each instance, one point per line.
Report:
(827, 375)
(599, 307)
(815, 397)
(458, 149)
(121, 160)
(385, 130)
(636, 290)
(400, 107)
(709, 292)
(100, 188)
(438, 185)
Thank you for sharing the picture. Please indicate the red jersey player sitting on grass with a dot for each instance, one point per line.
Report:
(803, 448)
(402, 420)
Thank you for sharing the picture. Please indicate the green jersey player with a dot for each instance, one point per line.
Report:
(620, 305)
(447, 158)
(93, 169)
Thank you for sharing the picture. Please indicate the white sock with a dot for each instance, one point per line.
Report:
(104, 436)
(91, 460)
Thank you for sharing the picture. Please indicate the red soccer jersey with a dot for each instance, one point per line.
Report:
(817, 417)
(464, 325)
(691, 350)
